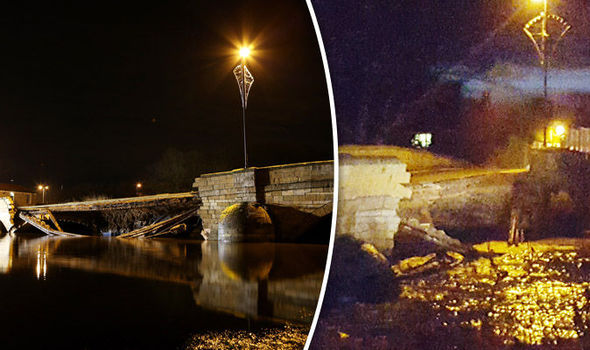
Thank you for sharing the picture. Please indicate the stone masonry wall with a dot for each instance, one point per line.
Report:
(308, 186)
(305, 187)
(220, 190)
(7, 212)
(469, 203)
(370, 189)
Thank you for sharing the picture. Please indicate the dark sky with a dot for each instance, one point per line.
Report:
(93, 92)
(384, 55)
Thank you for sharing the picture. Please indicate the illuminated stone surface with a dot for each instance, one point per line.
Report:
(370, 189)
(245, 222)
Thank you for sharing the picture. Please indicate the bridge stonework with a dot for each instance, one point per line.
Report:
(295, 195)
(7, 211)
(370, 190)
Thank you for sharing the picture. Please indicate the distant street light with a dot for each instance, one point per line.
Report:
(138, 187)
(540, 37)
(245, 81)
(43, 188)
(559, 130)
(556, 134)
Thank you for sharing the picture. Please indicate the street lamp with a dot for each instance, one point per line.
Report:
(43, 188)
(138, 187)
(556, 134)
(245, 81)
(540, 37)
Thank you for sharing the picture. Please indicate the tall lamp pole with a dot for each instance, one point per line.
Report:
(245, 81)
(543, 55)
(539, 37)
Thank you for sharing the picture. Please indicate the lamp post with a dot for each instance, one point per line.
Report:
(540, 37)
(43, 188)
(543, 54)
(245, 81)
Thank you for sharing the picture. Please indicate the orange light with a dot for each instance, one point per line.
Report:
(245, 52)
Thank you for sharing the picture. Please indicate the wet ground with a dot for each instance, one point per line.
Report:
(536, 295)
(285, 338)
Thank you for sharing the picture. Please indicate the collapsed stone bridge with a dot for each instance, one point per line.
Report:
(297, 197)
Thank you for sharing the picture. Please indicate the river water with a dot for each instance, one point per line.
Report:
(109, 293)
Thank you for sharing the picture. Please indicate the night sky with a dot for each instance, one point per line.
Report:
(93, 93)
(386, 57)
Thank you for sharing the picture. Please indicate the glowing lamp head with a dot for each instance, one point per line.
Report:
(40, 187)
(138, 185)
(244, 52)
(559, 130)
(46, 187)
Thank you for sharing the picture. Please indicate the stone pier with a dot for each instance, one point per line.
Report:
(6, 213)
(370, 190)
(296, 196)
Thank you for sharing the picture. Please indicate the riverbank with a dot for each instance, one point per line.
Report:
(288, 338)
(536, 295)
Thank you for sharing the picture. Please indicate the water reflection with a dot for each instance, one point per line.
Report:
(244, 262)
(41, 265)
(5, 253)
(251, 280)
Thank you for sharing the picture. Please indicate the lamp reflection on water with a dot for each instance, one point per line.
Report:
(41, 264)
(5, 253)
(246, 261)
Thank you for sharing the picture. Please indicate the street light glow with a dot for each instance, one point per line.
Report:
(43, 188)
(559, 130)
(245, 52)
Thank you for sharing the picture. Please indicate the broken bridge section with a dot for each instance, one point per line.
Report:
(173, 209)
(298, 198)
(383, 187)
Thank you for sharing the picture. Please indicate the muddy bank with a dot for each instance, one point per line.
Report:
(287, 337)
(536, 295)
